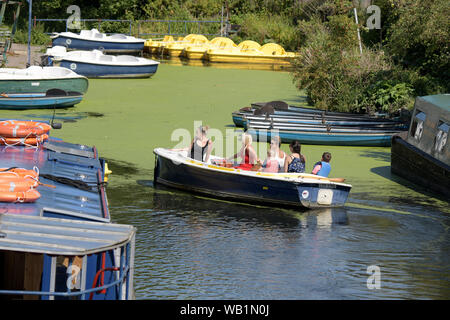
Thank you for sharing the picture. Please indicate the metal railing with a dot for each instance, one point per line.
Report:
(184, 30)
(99, 23)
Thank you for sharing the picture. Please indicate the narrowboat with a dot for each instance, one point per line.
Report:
(57, 240)
(94, 40)
(175, 169)
(422, 154)
(53, 98)
(37, 79)
(95, 64)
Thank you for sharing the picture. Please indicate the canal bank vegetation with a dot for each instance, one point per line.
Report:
(407, 57)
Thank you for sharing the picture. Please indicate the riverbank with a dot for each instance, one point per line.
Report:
(18, 55)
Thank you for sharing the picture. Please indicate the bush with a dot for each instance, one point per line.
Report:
(337, 77)
(38, 36)
(267, 28)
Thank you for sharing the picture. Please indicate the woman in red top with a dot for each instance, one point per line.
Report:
(247, 153)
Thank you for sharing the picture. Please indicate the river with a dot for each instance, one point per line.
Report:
(390, 241)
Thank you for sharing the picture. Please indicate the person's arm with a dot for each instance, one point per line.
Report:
(235, 155)
(208, 151)
(184, 149)
(317, 168)
(252, 155)
(286, 163)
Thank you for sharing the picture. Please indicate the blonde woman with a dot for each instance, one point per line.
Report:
(247, 153)
(200, 148)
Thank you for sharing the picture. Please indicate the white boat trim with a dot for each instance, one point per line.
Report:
(38, 73)
(95, 35)
(60, 53)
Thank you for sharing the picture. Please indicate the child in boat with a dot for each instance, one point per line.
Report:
(271, 162)
(322, 168)
(296, 161)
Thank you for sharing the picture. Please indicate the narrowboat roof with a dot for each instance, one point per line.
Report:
(60, 236)
(76, 173)
(439, 100)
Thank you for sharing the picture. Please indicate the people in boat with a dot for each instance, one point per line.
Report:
(271, 162)
(201, 146)
(279, 155)
(247, 153)
(295, 162)
(322, 168)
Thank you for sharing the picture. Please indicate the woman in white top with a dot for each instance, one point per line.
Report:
(275, 144)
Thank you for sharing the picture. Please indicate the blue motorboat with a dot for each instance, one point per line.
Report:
(62, 244)
(298, 190)
(95, 64)
(53, 98)
(93, 39)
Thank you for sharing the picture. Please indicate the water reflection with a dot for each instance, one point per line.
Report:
(191, 247)
(176, 61)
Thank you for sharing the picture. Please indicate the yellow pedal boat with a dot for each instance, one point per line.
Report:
(250, 51)
(156, 46)
(198, 51)
(177, 49)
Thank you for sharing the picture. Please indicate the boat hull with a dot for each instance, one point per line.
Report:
(195, 55)
(43, 85)
(322, 138)
(413, 164)
(247, 59)
(92, 70)
(245, 188)
(20, 103)
(105, 46)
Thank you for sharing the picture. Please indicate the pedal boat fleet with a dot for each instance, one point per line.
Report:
(220, 49)
(175, 169)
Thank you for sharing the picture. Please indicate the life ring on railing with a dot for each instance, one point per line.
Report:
(23, 141)
(19, 173)
(23, 129)
(17, 184)
(27, 196)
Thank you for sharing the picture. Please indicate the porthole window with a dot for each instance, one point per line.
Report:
(418, 124)
(441, 137)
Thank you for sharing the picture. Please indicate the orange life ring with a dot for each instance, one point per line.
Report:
(23, 141)
(27, 196)
(22, 129)
(17, 184)
(18, 173)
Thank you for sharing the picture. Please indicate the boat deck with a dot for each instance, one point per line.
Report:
(74, 170)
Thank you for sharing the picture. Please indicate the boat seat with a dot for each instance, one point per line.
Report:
(106, 58)
(86, 33)
(119, 36)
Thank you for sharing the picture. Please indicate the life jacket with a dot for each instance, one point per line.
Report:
(325, 170)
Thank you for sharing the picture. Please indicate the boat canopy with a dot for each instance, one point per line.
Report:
(66, 237)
